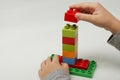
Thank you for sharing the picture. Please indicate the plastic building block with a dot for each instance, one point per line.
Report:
(70, 41)
(81, 64)
(70, 31)
(60, 57)
(70, 15)
(84, 73)
(52, 55)
(67, 40)
(70, 61)
(88, 73)
(69, 48)
(69, 54)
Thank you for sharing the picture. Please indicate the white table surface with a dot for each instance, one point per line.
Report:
(30, 31)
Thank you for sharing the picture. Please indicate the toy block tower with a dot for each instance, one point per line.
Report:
(78, 67)
(69, 43)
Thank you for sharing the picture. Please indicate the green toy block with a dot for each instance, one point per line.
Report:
(70, 31)
(80, 72)
(84, 73)
(52, 55)
(67, 47)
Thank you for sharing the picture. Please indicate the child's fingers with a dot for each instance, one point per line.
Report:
(55, 59)
(84, 5)
(65, 66)
(39, 72)
(48, 60)
(43, 64)
(85, 17)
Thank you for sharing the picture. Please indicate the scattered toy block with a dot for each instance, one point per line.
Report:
(70, 31)
(70, 15)
(84, 73)
(70, 61)
(69, 54)
(81, 64)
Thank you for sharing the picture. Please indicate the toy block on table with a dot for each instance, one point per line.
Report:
(81, 64)
(70, 15)
(70, 31)
(88, 73)
(84, 73)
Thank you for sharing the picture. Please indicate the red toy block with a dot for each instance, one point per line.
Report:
(70, 41)
(60, 59)
(81, 64)
(70, 15)
(67, 40)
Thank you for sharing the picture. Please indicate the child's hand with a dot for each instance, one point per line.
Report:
(95, 13)
(48, 66)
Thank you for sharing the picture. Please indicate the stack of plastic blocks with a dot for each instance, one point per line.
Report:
(69, 43)
(79, 68)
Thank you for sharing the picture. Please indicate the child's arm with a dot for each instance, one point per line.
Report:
(95, 13)
(115, 40)
(53, 70)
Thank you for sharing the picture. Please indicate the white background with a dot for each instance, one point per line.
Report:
(30, 31)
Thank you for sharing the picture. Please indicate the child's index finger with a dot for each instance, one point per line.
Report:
(55, 59)
(84, 5)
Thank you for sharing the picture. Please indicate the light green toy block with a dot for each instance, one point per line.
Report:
(70, 31)
(67, 47)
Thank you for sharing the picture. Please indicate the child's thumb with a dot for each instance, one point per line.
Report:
(84, 17)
